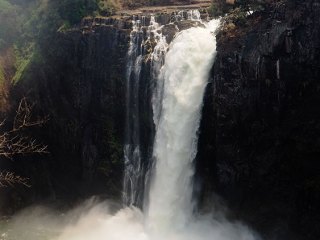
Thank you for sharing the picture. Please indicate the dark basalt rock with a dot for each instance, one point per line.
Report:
(264, 115)
(81, 87)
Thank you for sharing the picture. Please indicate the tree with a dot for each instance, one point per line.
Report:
(15, 142)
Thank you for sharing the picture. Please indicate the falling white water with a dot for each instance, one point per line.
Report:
(185, 75)
(193, 15)
(157, 61)
(133, 174)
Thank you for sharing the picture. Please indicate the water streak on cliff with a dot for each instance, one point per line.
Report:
(132, 152)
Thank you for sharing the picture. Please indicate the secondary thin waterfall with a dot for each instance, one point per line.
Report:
(140, 36)
(132, 152)
(184, 76)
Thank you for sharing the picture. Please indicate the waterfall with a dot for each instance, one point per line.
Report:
(179, 73)
(184, 77)
(133, 181)
(179, 78)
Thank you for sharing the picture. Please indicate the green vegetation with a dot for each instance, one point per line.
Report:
(108, 7)
(1, 75)
(237, 16)
(254, 4)
(221, 7)
(28, 25)
(73, 11)
(23, 59)
(114, 149)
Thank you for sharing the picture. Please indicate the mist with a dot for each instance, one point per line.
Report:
(103, 220)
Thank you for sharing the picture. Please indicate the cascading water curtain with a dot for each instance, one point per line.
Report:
(184, 76)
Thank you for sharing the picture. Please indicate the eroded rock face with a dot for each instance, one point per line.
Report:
(81, 87)
(259, 141)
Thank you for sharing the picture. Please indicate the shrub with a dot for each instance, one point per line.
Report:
(108, 7)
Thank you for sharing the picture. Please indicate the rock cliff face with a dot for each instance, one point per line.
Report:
(259, 140)
(259, 137)
(80, 85)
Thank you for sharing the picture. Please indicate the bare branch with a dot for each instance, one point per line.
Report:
(10, 179)
(2, 122)
(13, 142)
(23, 116)
(11, 145)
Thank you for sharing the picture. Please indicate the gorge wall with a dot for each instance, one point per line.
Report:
(80, 85)
(259, 135)
(259, 141)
